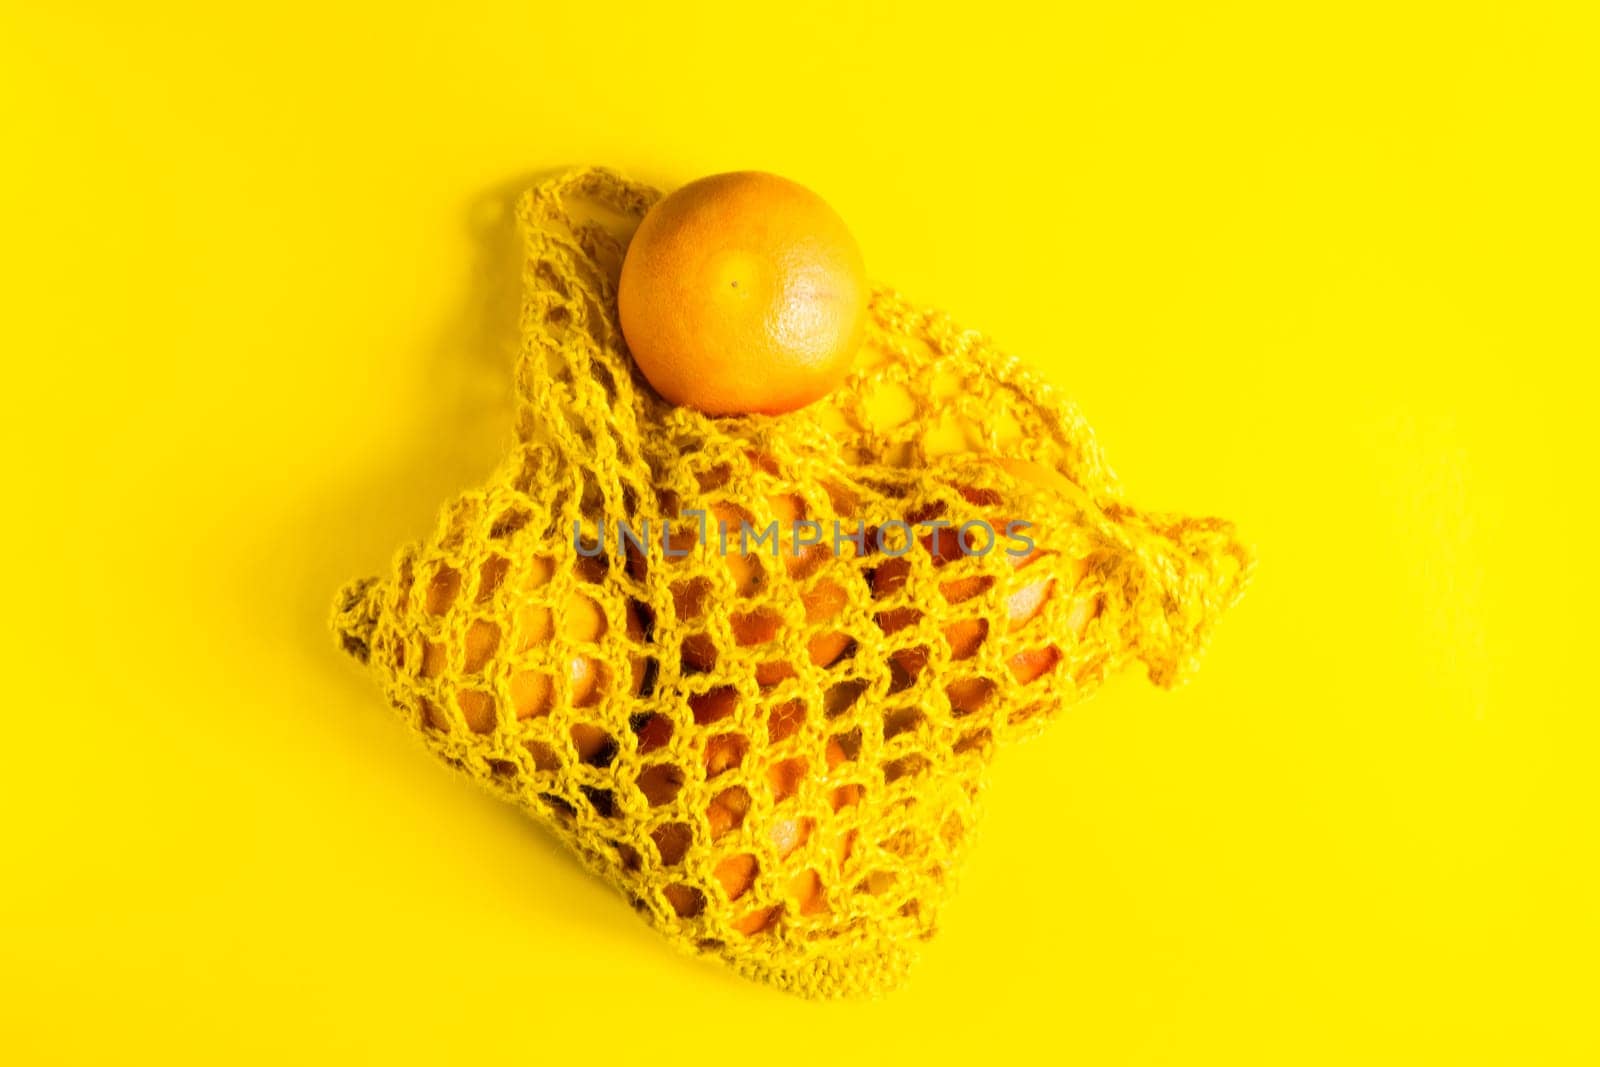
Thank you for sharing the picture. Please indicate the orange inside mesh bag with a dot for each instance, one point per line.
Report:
(776, 756)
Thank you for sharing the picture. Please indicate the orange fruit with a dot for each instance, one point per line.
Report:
(743, 293)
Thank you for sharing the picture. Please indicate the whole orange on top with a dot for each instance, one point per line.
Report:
(743, 293)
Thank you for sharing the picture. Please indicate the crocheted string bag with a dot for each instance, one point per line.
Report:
(736, 663)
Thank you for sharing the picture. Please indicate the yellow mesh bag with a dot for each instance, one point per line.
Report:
(776, 758)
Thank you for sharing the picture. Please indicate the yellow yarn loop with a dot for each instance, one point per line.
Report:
(800, 815)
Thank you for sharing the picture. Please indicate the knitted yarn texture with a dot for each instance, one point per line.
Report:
(775, 753)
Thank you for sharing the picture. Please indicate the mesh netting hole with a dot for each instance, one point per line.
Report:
(645, 617)
(823, 602)
(843, 748)
(653, 732)
(531, 693)
(602, 375)
(685, 900)
(591, 679)
(627, 855)
(844, 503)
(876, 883)
(477, 707)
(490, 575)
(841, 697)
(557, 317)
(558, 806)
(714, 478)
(737, 873)
(595, 747)
(501, 768)
(672, 840)
(755, 627)
(544, 757)
(715, 705)
(442, 590)
(432, 663)
(724, 752)
(975, 741)
(888, 405)
(967, 695)
(483, 637)
(900, 721)
(790, 834)
(584, 619)
(727, 809)
(983, 498)
(601, 800)
(1026, 666)
(757, 921)
(1028, 601)
(905, 767)
(659, 783)
(699, 652)
(845, 796)
(901, 678)
(431, 717)
(805, 889)
(965, 637)
(509, 522)
(647, 672)
(785, 720)
(534, 625)
(786, 776)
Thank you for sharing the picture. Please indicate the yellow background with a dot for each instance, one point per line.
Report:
(1330, 273)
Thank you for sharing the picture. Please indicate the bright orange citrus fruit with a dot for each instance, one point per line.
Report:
(743, 293)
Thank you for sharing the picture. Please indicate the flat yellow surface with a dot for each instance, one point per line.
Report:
(1329, 273)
